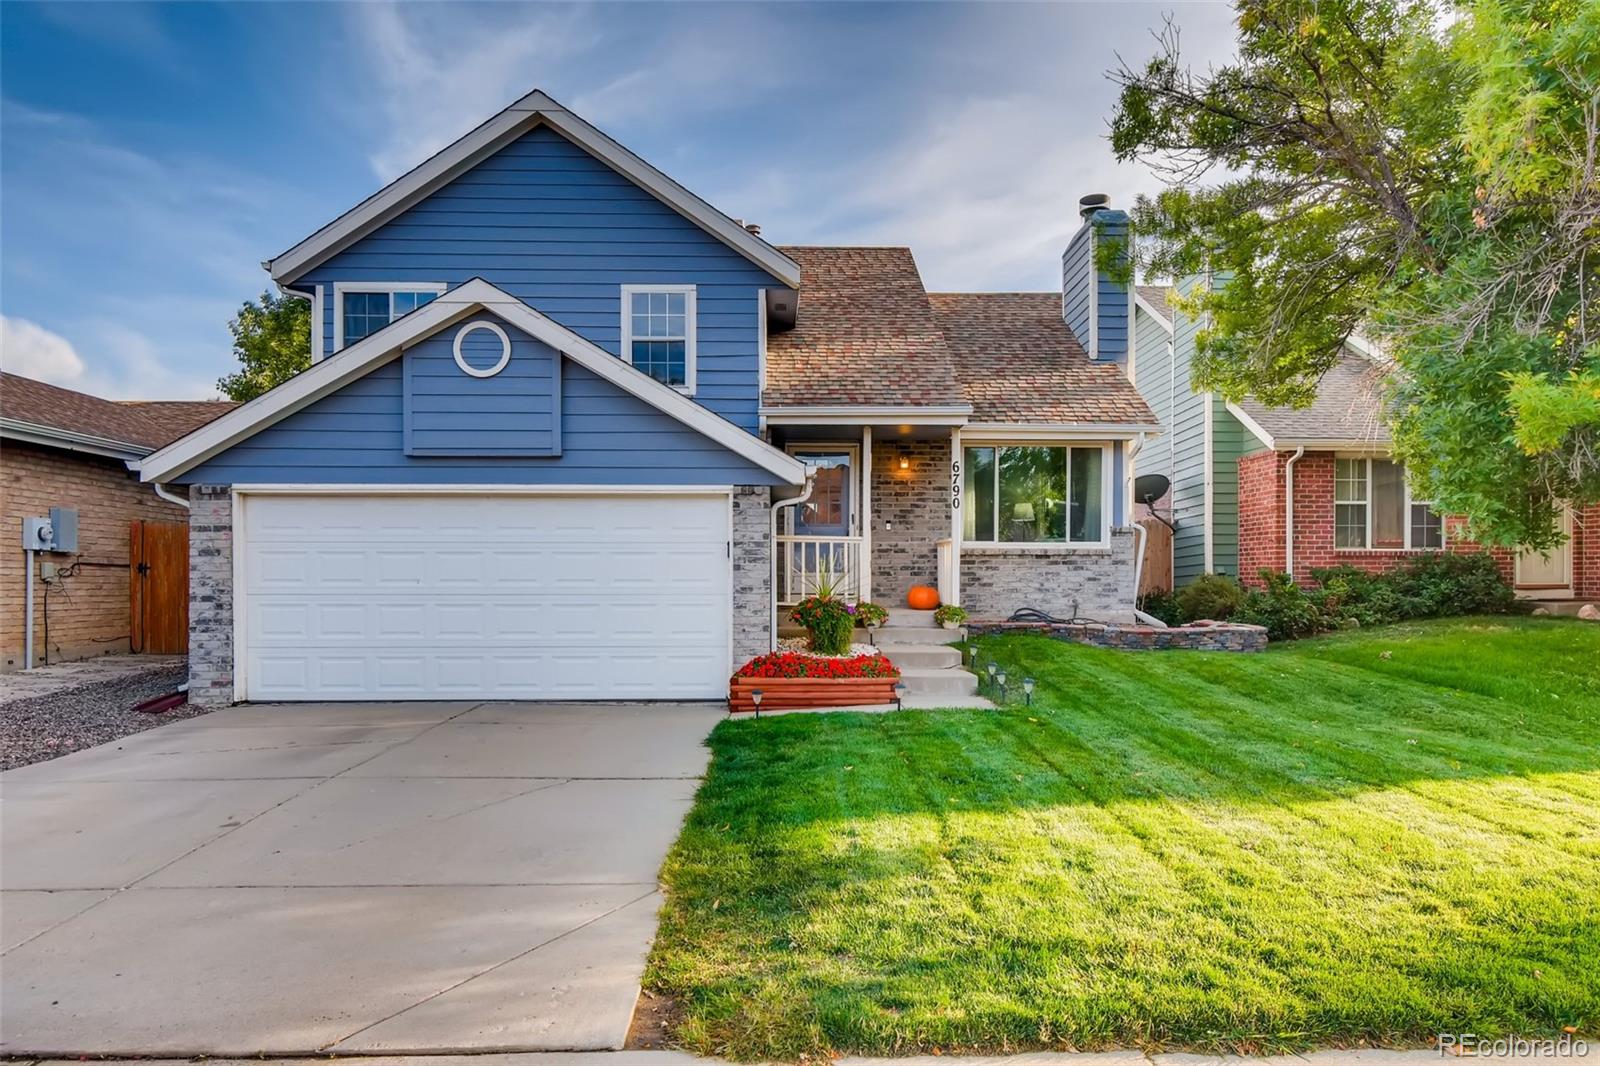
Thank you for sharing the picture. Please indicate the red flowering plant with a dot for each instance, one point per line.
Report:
(799, 664)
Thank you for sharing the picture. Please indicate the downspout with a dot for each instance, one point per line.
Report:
(168, 495)
(1288, 511)
(1142, 536)
(772, 577)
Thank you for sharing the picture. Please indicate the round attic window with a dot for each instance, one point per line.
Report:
(482, 356)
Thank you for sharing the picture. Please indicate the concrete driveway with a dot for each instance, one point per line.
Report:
(342, 878)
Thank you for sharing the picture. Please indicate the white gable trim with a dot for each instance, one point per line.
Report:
(490, 137)
(343, 367)
(1252, 425)
(1150, 309)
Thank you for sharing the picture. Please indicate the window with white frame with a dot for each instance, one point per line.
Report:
(658, 330)
(362, 310)
(1039, 493)
(1373, 508)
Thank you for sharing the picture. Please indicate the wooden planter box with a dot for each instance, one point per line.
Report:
(793, 693)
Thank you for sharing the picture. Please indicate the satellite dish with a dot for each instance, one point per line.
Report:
(1148, 488)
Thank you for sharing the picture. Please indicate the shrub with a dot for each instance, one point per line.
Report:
(1214, 596)
(1448, 583)
(871, 614)
(1284, 608)
(798, 664)
(1162, 604)
(1363, 598)
(829, 623)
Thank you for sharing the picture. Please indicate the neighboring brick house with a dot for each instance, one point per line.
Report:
(60, 448)
(1299, 489)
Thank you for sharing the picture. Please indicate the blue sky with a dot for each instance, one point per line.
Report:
(154, 155)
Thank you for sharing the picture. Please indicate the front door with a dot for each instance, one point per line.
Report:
(830, 510)
(1547, 575)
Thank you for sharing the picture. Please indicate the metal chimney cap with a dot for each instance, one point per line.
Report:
(1095, 201)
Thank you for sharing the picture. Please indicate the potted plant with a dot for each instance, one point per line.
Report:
(789, 680)
(871, 615)
(828, 619)
(950, 616)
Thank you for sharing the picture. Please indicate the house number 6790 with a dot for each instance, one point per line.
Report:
(955, 484)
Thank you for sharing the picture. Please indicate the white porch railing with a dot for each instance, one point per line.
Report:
(803, 561)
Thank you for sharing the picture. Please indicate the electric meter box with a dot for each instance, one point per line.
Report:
(64, 522)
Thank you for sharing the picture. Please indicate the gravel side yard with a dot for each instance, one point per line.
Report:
(37, 728)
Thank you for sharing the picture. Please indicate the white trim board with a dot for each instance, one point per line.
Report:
(373, 351)
(865, 415)
(532, 110)
(70, 440)
(1150, 309)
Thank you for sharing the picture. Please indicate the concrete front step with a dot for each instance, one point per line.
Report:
(922, 681)
(923, 656)
(906, 616)
(927, 636)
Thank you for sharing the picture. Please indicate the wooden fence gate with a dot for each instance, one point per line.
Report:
(1157, 573)
(158, 585)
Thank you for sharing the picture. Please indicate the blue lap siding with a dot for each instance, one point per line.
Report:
(513, 412)
(357, 436)
(553, 226)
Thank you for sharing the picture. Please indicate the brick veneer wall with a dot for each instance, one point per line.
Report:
(1261, 522)
(1092, 583)
(1586, 553)
(752, 573)
(210, 595)
(95, 620)
(910, 515)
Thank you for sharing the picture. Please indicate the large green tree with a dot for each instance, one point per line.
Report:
(1420, 171)
(272, 341)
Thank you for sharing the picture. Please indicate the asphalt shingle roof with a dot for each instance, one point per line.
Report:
(1348, 407)
(1157, 296)
(143, 423)
(864, 335)
(869, 334)
(1018, 362)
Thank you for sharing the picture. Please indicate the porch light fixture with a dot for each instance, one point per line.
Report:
(1027, 689)
(905, 462)
(899, 695)
(755, 698)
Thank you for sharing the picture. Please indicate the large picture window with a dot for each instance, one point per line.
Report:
(1022, 493)
(1373, 508)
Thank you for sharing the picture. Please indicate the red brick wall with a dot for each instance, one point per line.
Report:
(94, 621)
(1261, 523)
(1586, 553)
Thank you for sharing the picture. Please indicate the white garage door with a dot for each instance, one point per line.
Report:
(494, 597)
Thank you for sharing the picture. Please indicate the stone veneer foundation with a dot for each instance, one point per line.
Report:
(1218, 636)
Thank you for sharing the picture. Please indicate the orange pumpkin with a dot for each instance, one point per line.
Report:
(922, 597)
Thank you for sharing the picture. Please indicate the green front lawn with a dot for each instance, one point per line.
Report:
(1374, 836)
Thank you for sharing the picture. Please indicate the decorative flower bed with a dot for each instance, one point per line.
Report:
(790, 679)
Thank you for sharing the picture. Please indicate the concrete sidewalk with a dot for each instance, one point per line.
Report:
(1366, 1057)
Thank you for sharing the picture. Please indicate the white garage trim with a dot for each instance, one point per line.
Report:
(241, 496)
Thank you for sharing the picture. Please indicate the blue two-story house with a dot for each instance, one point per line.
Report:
(569, 432)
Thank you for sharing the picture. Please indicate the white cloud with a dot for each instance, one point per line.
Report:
(29, 349)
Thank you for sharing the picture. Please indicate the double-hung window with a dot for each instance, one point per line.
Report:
(361, 310)
(1373, 508)
(1027, 493)
(658, 327)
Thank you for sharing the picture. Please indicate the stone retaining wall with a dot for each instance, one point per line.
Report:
(1220, 636)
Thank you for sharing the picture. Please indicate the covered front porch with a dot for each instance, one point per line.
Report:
(996, 518)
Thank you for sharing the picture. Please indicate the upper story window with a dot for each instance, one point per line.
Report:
(1373, 508)
(361, 310)
(1034, 493)
(658, 332)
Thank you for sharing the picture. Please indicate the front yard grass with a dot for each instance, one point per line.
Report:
(1370, 837)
